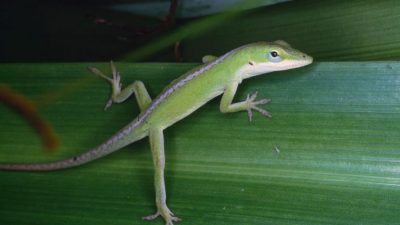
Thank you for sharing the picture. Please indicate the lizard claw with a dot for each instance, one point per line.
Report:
(166, 214)
(97, 72)
(115, 81)
(252, 105)
(116, 76)
(108, 104)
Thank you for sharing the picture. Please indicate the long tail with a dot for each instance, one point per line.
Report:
(113, 144)
(57, 165)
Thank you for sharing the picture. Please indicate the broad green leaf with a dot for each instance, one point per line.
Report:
(336, 126)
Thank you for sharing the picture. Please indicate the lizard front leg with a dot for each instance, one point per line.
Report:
(142, 96)
(156, 138)
(248, 105)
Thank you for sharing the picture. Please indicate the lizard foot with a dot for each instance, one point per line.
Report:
(166, 214)
(115, 81)
(252, 104)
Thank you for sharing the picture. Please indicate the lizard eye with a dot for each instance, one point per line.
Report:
(273, 56)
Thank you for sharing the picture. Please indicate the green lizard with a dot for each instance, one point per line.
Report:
(218, 75)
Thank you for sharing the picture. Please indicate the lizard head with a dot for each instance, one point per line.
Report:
(265, 57)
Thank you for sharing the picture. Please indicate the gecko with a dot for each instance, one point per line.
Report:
(215, 76)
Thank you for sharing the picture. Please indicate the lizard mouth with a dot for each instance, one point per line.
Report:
(308, 59)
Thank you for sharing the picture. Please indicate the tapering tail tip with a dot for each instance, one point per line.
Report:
(58, 165)
(24, 167)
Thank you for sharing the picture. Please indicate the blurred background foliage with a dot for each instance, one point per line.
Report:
(60, 31)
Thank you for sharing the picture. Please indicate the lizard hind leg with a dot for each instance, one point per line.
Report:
(157, 149)
(142, 96)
